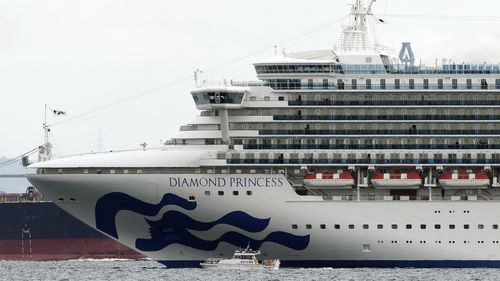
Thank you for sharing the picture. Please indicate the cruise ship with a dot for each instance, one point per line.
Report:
(354, 156)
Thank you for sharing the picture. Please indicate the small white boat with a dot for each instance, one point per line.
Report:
(465, 180)
(411, 180)
(329, 180)
(242, 259)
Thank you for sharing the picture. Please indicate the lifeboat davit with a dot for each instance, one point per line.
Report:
(397, 180)
(329, 181)
(465, 181)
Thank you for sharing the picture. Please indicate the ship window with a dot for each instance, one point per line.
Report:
(412, 83)
(423, 226)
(452, 226)
(437, 226)
(99, 172)
(426, 83)
(253, 98)
(351, 226)
(466, 226)
(380, 226)
(281, 98)
(86, 171)
(454, 83)
(368, 84)
(236, 193)
(497, 84)
(495, 226)
(484, 84)
(207, 193)
(480, 226)
(60, 199)
(354, 84)
(365, 226)
(397, 84)
(125, 171)
(366, 248)
(112, 172)
(337, 226)
(394, 226)
(308, 226)
(440, 83)
(59, 171)
(267, 98)
(139, 171)
(408, 226)
(221, 193)
(469, 83)
(382, 84)
(322, 226)
(294, 226)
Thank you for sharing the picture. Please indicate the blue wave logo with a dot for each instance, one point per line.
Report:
(174, 227)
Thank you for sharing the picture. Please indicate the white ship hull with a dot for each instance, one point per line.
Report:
(130, 208)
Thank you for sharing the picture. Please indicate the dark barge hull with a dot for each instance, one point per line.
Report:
(42, 231)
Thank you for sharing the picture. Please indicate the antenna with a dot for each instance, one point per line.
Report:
(198, 79)
(45, 150)
(355, 35)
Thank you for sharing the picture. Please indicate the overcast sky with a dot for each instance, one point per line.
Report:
(80, 55)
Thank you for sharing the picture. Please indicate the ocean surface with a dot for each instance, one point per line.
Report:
(150, 270)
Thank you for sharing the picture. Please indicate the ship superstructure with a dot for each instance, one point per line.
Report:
(346, 157)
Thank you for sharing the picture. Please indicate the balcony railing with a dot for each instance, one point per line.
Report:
(346, 87)
(370, 146)
(384, 117)
(410, 131)
(363, 161)
(327, 102)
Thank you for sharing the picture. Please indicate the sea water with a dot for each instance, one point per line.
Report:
(150, 270)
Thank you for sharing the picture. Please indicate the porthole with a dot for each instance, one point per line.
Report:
(294, 226)
(322, 226)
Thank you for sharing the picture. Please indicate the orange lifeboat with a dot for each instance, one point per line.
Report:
(465, 181)
(329, 181)
(411, 180)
